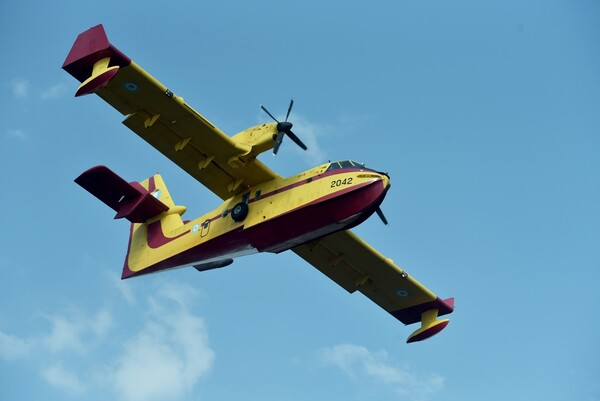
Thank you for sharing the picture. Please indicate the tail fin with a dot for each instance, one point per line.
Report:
(148, 206)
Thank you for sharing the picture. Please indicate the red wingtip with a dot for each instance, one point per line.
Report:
(89, 47)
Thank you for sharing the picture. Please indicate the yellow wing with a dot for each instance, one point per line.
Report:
(355, 265)
(225, 165)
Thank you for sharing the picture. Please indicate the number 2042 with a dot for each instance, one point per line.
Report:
(338, 183)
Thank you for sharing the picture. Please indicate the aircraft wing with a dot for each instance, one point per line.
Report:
(163, 119)
(355, 265)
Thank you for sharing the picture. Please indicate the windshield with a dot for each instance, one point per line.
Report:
(346, 164)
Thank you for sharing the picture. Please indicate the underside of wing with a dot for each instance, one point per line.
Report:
(226, 165)
(355, 265)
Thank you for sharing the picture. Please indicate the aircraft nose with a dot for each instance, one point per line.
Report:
(386, 180)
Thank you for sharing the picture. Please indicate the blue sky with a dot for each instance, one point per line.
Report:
(486, 116)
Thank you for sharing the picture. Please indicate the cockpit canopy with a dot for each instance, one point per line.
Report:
(346, 164)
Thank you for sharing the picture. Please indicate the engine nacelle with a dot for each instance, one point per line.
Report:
(259, 138)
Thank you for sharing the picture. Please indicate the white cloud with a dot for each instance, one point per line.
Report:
(12, 347)
(101, 323)
(54, 91)
(19, 87)
(166, 359)
(67, 380)
(162, 355)
(65, 335)
(123, 287)
(76, 330)
(309, 133)
(358, 362)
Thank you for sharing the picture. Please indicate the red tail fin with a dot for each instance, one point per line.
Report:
(129, 200)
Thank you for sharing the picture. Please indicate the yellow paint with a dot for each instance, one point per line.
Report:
(100, 67)
(150, 121)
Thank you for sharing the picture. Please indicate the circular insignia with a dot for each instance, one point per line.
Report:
(131, 86)
(402, 293)
(196, 227)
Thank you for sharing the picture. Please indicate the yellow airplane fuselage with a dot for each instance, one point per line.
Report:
(276, 215)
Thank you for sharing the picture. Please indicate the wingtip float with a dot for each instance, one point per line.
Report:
(93, 60)
(310, 213)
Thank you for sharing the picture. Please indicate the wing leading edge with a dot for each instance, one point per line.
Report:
(224, 165)
(355, 265)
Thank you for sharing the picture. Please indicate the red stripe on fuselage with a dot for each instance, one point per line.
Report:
(156, 238)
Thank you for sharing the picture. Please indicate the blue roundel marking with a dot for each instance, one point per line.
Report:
(131, 86)
(196, 228)
(402, 293)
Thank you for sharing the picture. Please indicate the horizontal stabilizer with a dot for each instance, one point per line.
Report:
(129, 200)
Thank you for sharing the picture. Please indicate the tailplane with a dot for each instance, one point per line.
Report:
(155, 219)
(129, 199)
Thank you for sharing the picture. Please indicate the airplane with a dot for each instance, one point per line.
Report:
(310, 213)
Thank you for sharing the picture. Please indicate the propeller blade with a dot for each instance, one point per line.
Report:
(284, 128)
(381, 216)
(296, 140)
(289, 109)
(267, 111)
(278, 141)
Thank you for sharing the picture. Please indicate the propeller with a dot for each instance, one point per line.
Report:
(284, 128)
(381, 215)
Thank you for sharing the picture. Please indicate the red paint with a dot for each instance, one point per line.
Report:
(97, 83)
(156, 238)
(129, 200)
(89, 47)
(151, 184)
(318, 218)
(429, 332)
(231, 242)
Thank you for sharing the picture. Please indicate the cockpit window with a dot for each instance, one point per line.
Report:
(334, 166)
(345, 164)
